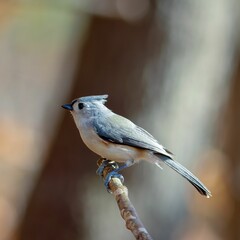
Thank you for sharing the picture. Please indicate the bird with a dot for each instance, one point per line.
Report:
(118, 139)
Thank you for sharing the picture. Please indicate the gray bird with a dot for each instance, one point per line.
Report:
(118, 139)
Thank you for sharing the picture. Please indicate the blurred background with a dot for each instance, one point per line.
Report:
(172, 67)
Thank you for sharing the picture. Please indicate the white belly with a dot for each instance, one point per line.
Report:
(108, 150)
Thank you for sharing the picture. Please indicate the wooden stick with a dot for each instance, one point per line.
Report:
(127, 210)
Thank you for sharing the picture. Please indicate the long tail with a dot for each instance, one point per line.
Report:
(186, 174)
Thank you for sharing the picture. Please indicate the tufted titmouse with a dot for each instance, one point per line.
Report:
(118, 139)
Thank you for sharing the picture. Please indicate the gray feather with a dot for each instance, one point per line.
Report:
(117, 129)
(100, 98)
(120, 130)
(94, 98)
(186, 174)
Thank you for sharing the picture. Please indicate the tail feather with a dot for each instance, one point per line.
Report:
(186, 174)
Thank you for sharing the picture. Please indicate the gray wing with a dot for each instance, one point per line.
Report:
(120, 130)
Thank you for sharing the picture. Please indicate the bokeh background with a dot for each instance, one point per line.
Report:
(173, 67)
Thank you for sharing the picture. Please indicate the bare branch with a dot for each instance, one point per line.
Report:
(127, 210)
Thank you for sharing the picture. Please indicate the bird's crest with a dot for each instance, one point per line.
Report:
(100, 98)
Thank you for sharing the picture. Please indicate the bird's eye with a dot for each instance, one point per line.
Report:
(80, 106)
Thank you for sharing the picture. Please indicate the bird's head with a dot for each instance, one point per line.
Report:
(87, 107)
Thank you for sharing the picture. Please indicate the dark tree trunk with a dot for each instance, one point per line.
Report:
(111, 62)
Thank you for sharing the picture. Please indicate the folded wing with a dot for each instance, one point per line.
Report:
(120, 130)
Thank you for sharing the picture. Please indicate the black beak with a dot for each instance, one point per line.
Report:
(68, 106)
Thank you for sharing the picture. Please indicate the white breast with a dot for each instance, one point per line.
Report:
(108, 150)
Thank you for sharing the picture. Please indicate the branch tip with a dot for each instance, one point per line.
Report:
(127, 210)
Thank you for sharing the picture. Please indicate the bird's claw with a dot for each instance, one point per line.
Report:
(104, 164)
(100, 169)
(113, 174)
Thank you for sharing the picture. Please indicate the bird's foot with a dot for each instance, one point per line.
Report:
(102, 163)
(113, 174)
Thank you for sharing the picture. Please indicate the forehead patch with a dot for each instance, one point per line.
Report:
(73, 101)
